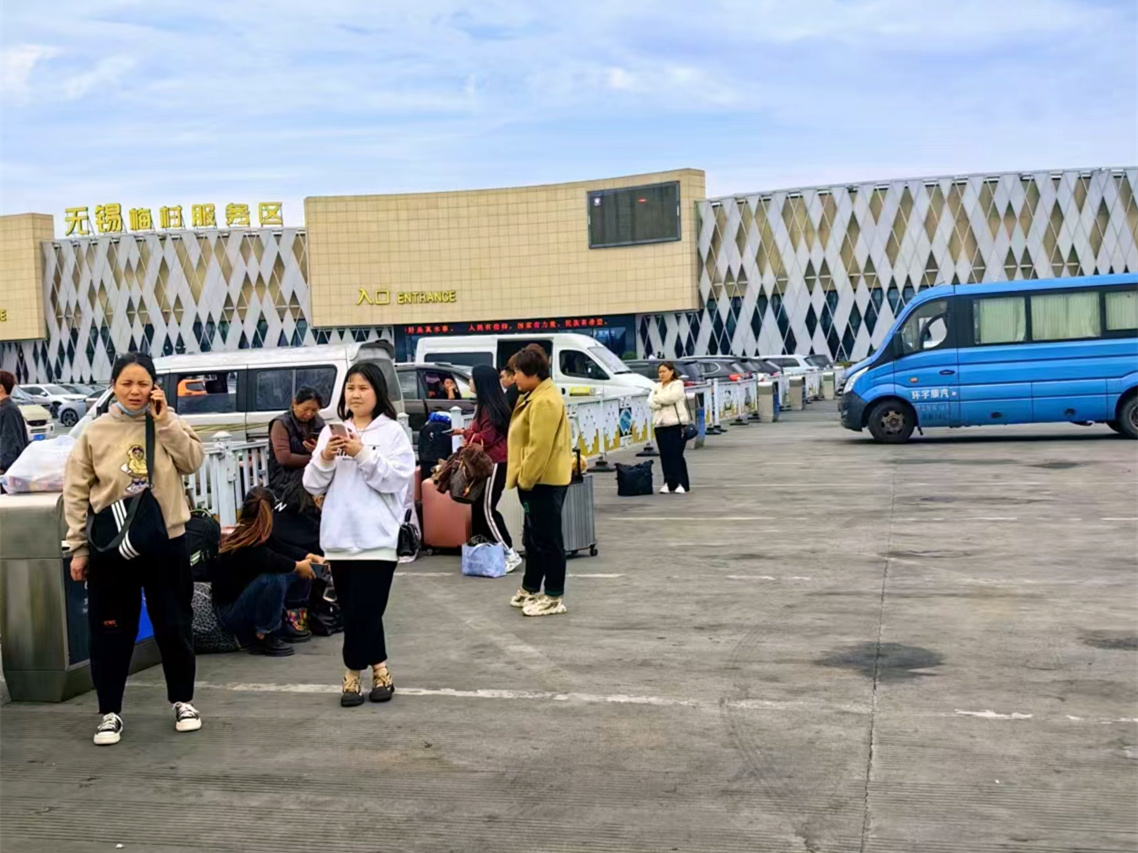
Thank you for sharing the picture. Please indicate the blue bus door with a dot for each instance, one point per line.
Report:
(926, 371)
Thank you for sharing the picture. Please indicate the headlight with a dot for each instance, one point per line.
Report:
(848, 385)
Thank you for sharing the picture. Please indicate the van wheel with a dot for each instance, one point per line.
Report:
(1128, 417)
(891, 422)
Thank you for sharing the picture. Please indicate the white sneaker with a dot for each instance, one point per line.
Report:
(680, 490)
(513, 560)
(664, 490)
(544, 605)
(522, 598)
(186, 717)
(109, 731)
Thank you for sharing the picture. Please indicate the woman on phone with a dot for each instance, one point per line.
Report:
(490, 428)
(107, 465)
(669, 404)
(363, 467)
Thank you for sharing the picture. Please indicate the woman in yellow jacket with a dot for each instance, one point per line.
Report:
(540, 466)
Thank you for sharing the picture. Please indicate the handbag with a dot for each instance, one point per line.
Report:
(134, 526)
(634, 480)
(485, 560)
(409, 541)
(688, 430)
(471, 474)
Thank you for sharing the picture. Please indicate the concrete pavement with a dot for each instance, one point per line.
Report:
(828, 645)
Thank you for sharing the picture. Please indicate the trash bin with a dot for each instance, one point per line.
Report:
(797, 393)
(43, 613)
(767, 402)
(827, 385)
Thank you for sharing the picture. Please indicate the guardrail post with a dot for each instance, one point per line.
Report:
(739, 398)
(716, 427)
(754, 416)
(225, 484)
(649, 450)
(405, 422)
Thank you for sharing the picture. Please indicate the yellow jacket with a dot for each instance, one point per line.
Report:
(539, 442)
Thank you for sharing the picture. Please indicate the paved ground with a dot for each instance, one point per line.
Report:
(828, 646)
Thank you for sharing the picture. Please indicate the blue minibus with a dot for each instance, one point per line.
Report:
(1013, 352)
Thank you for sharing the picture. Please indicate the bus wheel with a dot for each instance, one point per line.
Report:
(1128, 417)
(891, 422)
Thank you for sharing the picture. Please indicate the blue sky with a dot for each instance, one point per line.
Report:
(148, 104)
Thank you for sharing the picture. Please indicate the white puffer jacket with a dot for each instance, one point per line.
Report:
(669, 404)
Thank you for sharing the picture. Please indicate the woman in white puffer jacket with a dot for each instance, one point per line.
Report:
(669, 406)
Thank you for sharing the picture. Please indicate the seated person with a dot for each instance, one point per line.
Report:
(254, 582)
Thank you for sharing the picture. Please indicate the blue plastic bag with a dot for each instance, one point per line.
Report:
(487, 560)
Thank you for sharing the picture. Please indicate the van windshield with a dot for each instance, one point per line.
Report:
(608, 359)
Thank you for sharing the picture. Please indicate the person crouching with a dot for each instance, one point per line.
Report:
(253, 583)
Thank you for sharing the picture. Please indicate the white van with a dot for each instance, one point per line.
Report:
(580, 366)
(242, 392)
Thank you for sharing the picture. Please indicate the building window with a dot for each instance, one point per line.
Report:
(629, 217)
(1065, 316)
(1002, 320)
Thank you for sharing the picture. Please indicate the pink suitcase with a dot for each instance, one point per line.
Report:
(446, 523)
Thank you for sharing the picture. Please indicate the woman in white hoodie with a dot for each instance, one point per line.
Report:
(363, 467)
(669, 404)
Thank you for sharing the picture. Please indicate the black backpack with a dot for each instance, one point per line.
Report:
(634, 480)
(203, 541)
(434, 444)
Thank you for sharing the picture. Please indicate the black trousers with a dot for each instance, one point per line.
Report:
(485, 518)
(544, 539)
(362, 588)
(671, 442)
(114, 603)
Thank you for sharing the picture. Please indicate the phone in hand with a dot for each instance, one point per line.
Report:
(158, 402)
(339, 431)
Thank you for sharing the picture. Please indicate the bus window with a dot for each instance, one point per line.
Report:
(926, 329)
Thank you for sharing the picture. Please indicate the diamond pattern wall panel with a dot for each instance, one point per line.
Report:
(827, 270)
(171, 293)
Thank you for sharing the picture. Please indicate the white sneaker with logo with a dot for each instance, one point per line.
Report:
(513, 560)
(109, 731)
(186, 717)
(544, 605)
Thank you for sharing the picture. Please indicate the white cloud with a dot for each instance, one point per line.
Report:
(106, 73)
(16, 66)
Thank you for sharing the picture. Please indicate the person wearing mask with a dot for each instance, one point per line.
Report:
(363, 467)
(540, 466)
(254, 583)
(490, 428)
(669, 404)
(509, 384)
(107, 465)
(13, 430)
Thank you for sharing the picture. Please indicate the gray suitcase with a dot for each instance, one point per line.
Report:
(578, 521)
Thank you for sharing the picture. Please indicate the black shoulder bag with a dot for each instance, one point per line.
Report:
(132, 526)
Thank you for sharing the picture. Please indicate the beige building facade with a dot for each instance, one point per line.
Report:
(501, 253)
(21, 274)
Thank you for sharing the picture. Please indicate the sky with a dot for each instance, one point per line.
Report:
(177, 103)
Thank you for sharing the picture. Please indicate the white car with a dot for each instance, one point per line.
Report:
(52, 397)
(37, 418)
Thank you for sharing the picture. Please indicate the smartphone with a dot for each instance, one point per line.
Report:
(339, 431)
(158, 404)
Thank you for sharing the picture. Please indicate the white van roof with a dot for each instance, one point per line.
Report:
(455, 341)
(273, 356)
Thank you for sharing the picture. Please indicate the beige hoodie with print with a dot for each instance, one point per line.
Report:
(108, 463)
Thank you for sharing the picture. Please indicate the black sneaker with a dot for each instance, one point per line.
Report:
(293, 635)
(109, 731)
(271, 646)
(351, 697)
(382, 687)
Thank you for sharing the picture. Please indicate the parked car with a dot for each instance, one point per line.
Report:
(765, 370)
(37, 418)
(650, 368)
(71, 412)
(423, 387)
(723, 368)
(51, 397)
(241, 392)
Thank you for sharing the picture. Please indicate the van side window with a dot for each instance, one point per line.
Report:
(999, 320)
(322, 378)
(1121, 310)
(203, 393)
(275, 387)
(1065, 316)
(409, 383)
(926, 329)
(579, 365)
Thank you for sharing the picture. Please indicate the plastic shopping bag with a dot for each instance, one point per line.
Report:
(40, 467)
(487, 560)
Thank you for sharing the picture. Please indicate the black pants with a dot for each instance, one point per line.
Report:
(362, 588)
(114, 588)
(485, 518)
(544, 539)
(671, 442)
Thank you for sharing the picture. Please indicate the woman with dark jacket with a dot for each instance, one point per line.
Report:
(293, 438)
(490, 428)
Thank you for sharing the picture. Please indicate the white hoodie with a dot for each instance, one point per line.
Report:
(365, 496)
(669, 404)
